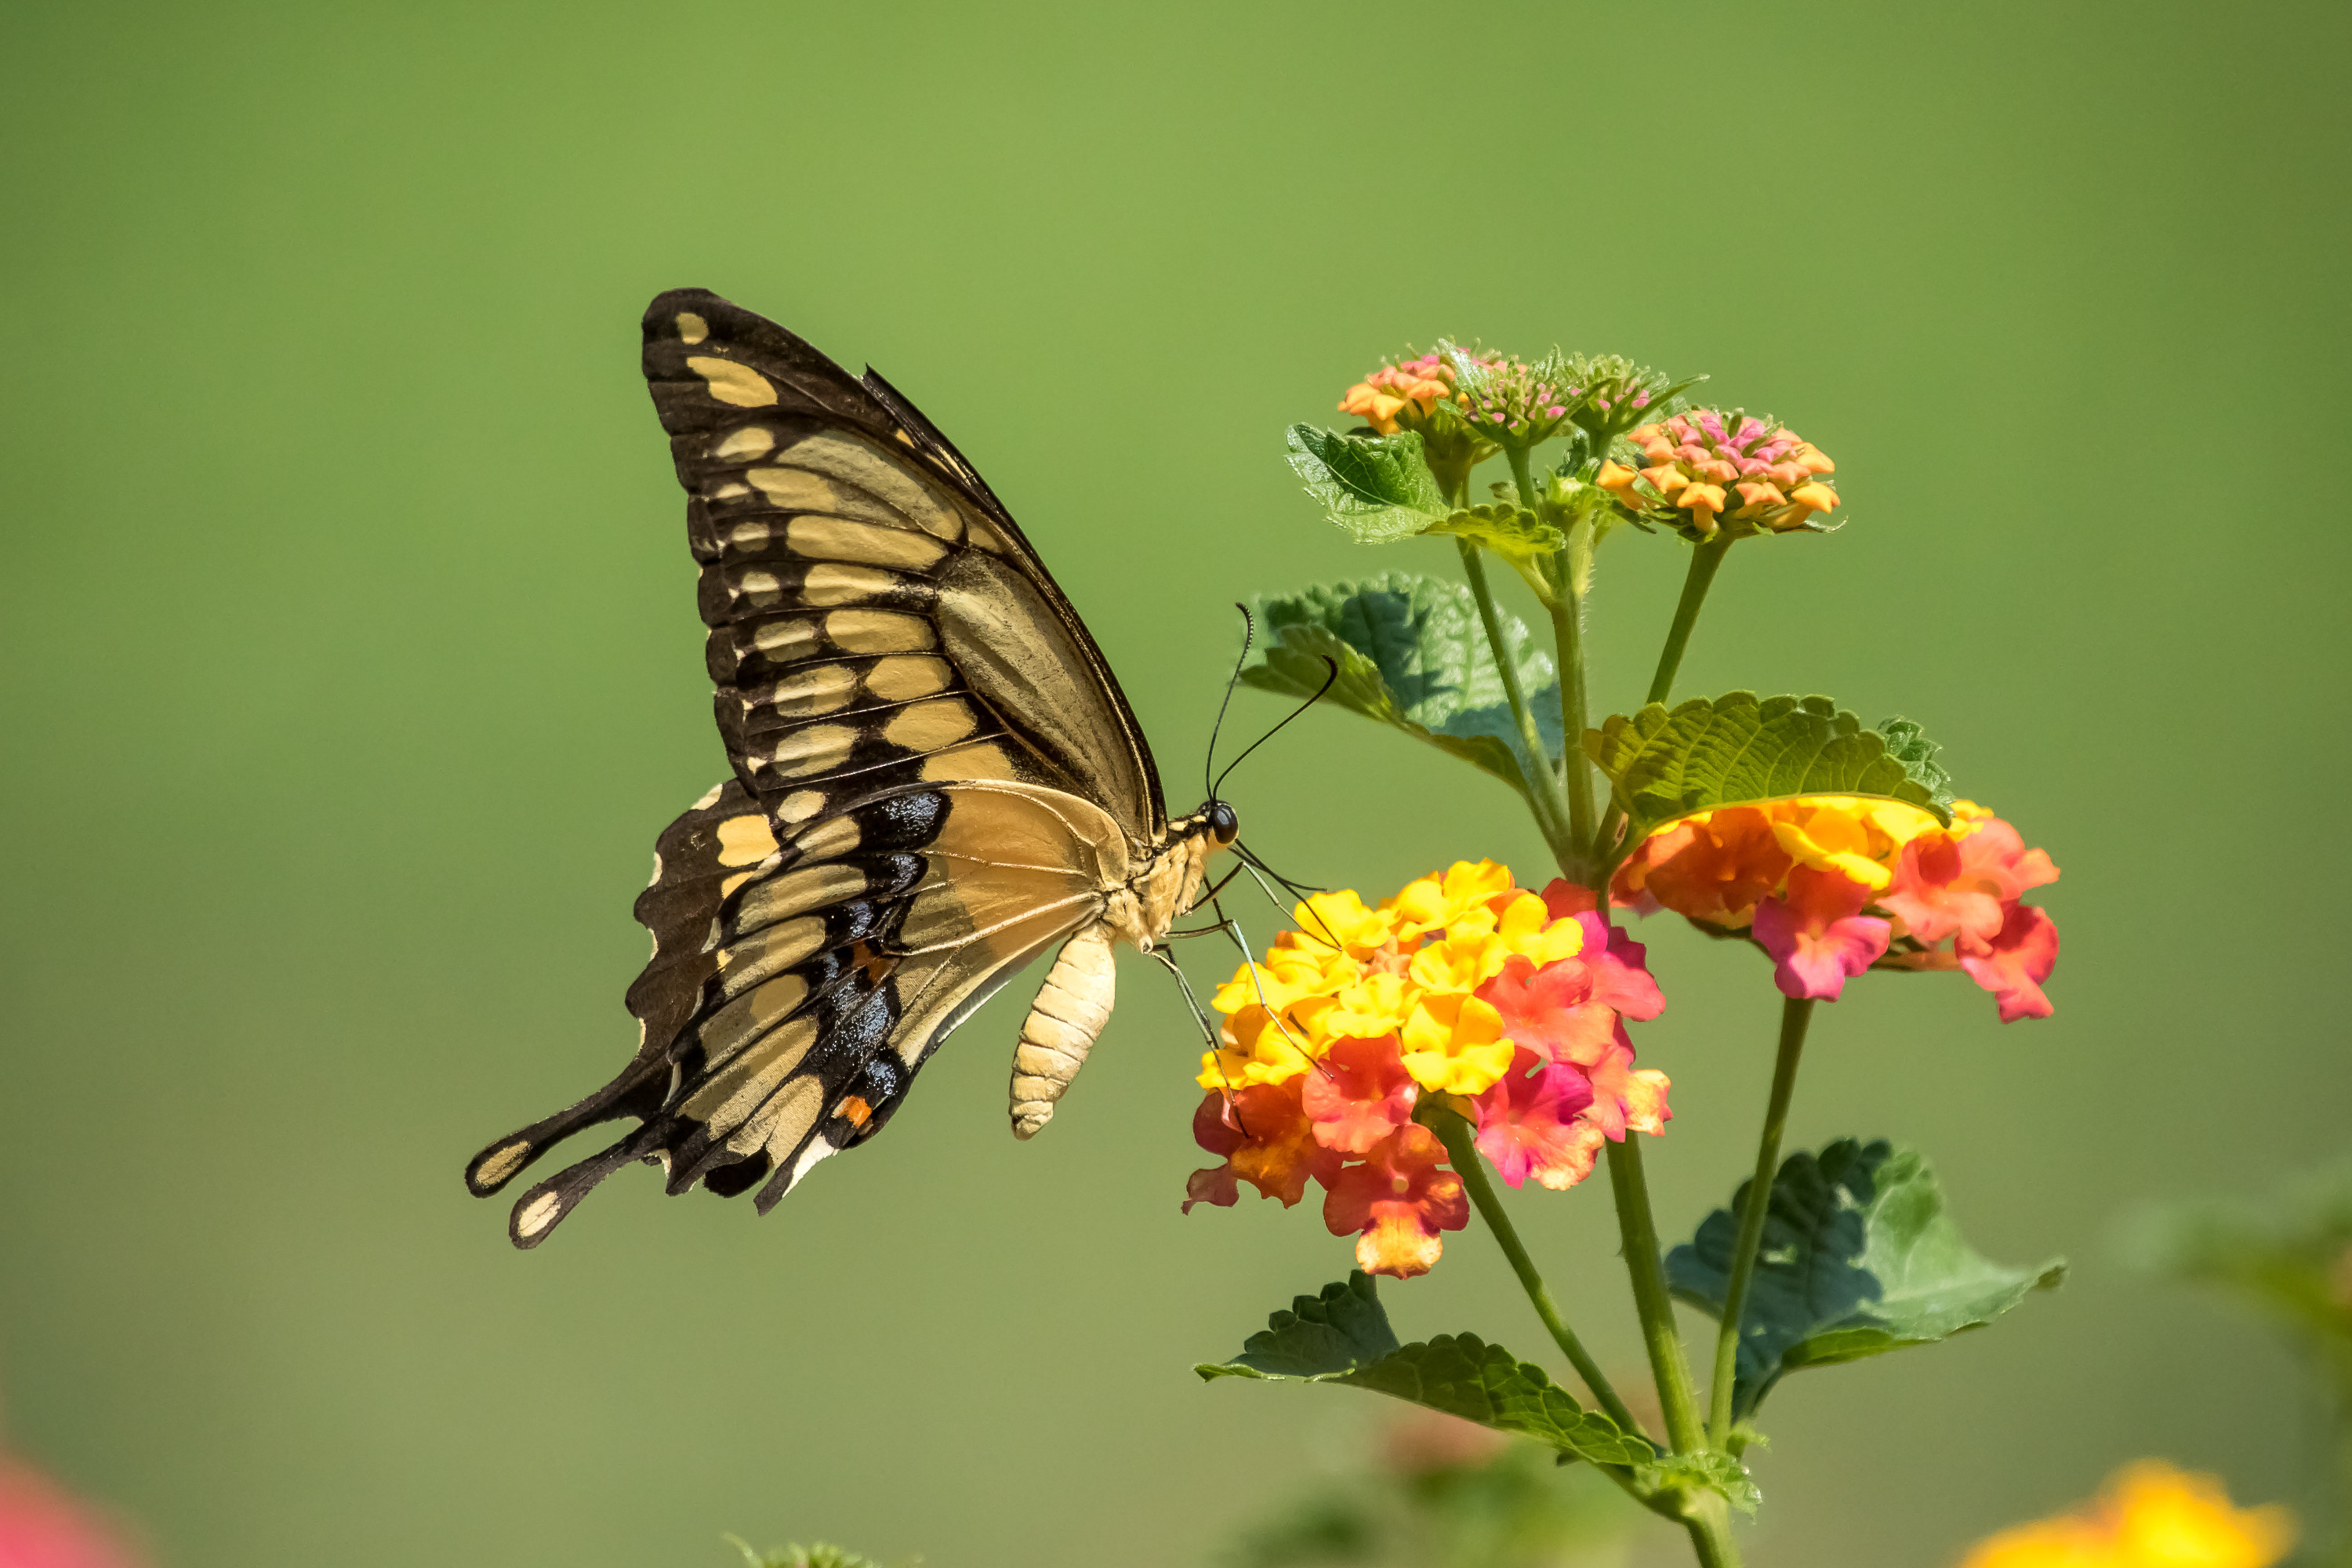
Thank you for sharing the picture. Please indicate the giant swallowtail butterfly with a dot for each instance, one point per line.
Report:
(936, 777)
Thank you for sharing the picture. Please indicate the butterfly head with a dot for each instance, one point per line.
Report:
(1218, 821)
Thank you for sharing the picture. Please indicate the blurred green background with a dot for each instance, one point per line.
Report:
(352, 665)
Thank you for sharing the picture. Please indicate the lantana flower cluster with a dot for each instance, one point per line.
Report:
(1502, 400)
(1716, 466)
(1508, 1003)
(1832, 885)
(1402, 395)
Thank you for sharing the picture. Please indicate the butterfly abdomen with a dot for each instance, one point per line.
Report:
(1070, 1011)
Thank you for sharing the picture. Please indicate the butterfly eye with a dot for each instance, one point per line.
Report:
(1223, 826)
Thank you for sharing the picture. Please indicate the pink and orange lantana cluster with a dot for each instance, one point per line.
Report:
(1758, 474)
(1832, 885)
(1463, 986)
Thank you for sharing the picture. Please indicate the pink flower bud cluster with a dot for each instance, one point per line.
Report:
(1762, 476)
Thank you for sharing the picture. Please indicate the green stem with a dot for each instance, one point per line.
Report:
(1664, 1340)
(1456, 1132)
(1543, 785)
(1695, 583)
(1710, 1534)
(1704, 559)
(1796, 1013)
(1568, 630)
(1517, 457)
(1709, 1520)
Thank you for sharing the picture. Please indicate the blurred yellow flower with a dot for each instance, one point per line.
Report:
(2149, 1515)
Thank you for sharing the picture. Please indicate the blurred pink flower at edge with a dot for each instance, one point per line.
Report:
(44, 1526)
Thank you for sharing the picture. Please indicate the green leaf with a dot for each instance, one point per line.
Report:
(1343, 1336)
(1412, 653)
(1859, 1257)
(1513, 533)
(1736, 749)
(1320, 1336)
(1377, 488)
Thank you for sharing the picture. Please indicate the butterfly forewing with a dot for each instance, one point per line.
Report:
(936, 776)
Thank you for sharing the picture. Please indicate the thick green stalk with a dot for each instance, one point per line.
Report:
(1796, 1013)
(1568, 630)
(1659, 1336)
(1456, 1132)
(1710, 1534)
(1709, 1520)
(1543, 785)
(1704, 559)
(1517, 457)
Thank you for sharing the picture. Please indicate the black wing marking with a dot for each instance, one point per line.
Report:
(876, 619)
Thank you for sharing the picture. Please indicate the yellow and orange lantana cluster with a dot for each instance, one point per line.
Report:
(1463, 985)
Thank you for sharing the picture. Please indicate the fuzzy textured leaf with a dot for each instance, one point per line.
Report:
(1859, 1257)
(1412, 655)
(1739, 750)
(1377, 488)
(1343, 1336)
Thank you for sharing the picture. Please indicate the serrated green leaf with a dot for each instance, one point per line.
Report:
(1859, 1257)
(1738, 749)
(1512, 532)
(1412, 655)
(1377, 488)
(1343, 1336)
(1321, 1336)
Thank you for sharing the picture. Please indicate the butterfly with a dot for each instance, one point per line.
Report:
(936, 777)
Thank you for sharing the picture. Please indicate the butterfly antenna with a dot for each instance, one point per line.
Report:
(1306, 896)
(1209, 762)
(1208, 1033)
(1329, 939)
(1232, 928)
(1270, 734)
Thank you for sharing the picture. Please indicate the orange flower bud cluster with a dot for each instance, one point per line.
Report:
(1759, 477)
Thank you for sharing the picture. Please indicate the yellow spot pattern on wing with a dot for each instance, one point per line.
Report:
(988, 761)
(818, 688)
(731, 383)
(814, 749)
(502, 1164)
(837, 582)
(750, 441)
(903, 679)
(838, 539)
(877, 631)
(830, 841)
(537, 1214)
(800, 805)
(691, 328)
(745, 841)
(928, 726)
